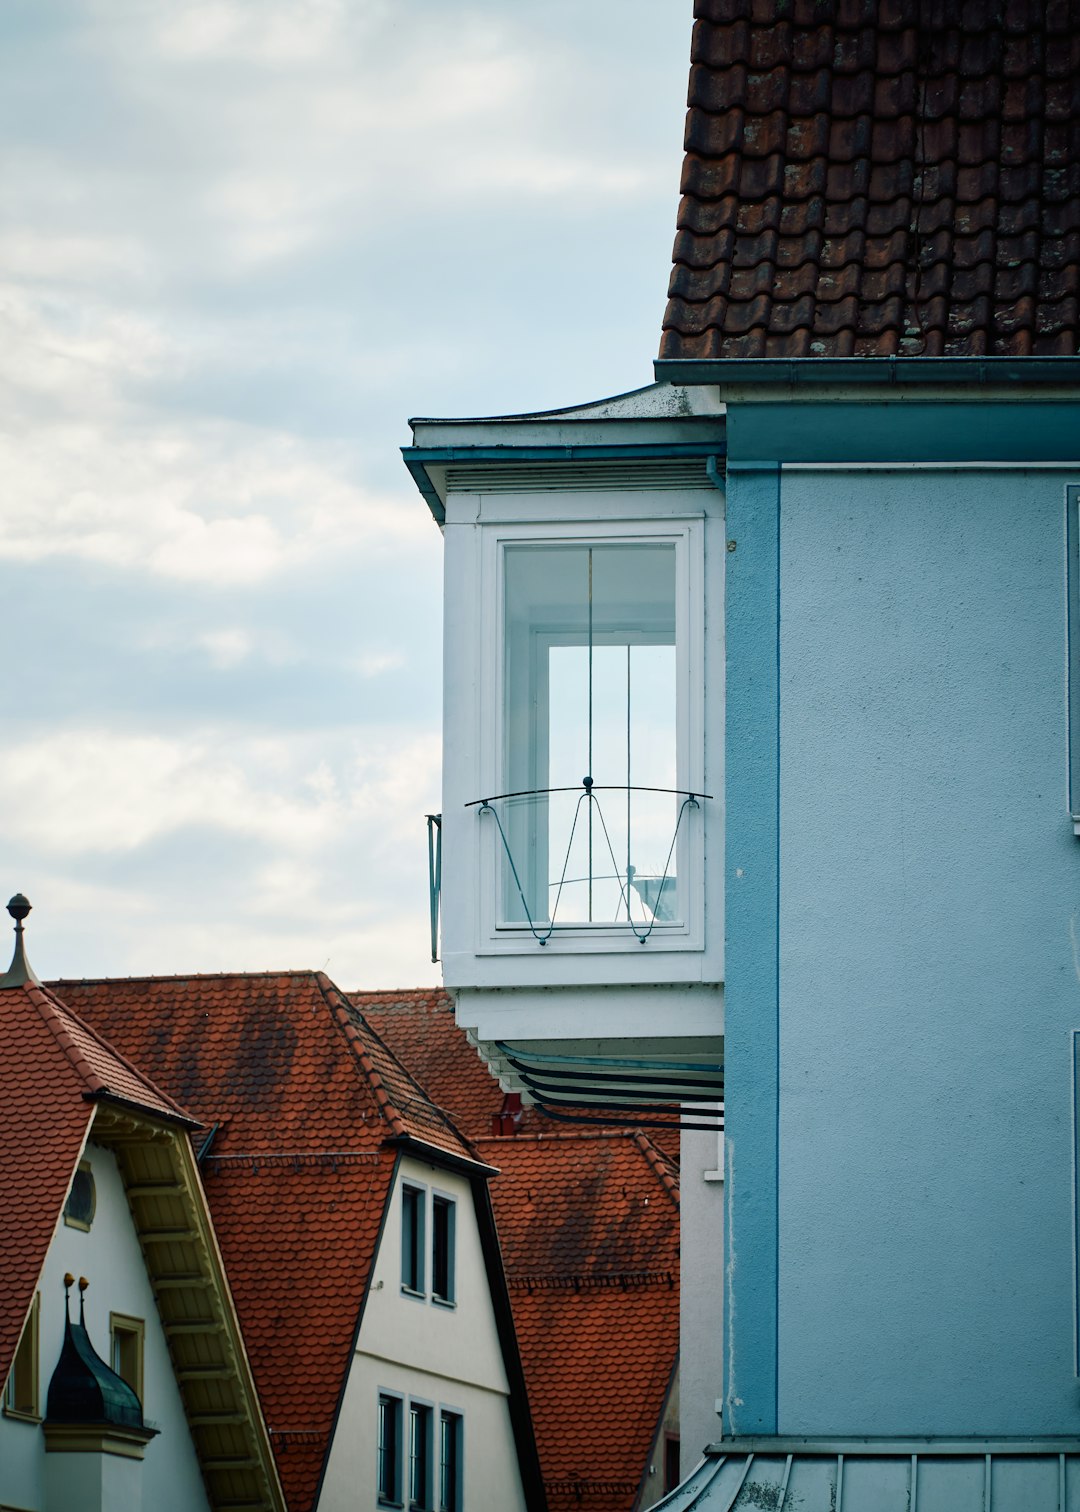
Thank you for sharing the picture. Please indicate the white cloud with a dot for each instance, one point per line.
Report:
(89, 791)
(207, 502)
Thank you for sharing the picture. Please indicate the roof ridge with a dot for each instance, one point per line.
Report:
(659, 1163)
(180, 976)
(542, 1136)
(343, 1010)
(53, 1010)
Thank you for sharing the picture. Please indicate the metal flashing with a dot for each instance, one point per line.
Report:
(797, 372)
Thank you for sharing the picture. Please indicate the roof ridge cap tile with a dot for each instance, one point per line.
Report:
(178, 976)
(343, 1010)
(659, 1164)
(53, 1010)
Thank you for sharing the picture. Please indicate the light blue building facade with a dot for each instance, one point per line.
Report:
(902, 912)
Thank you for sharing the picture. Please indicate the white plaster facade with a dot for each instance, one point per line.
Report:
(701, 1317)
(540, 479)
(419, 1349)
(168, 1479)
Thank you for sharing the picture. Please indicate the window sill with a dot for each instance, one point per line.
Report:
(445, 1302)
(21, 1417)
(417, 1296)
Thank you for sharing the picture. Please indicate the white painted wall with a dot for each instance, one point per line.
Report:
(110, 1258)
(474, 956)
(701, 1320)
(446, 1356)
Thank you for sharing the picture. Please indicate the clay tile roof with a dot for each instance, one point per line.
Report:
(588, 1225)
(55, 1068)
(872, 178)
(419, 1027)
(299, 1170)
(589, 1230)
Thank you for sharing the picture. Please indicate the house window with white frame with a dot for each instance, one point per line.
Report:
(595, 798)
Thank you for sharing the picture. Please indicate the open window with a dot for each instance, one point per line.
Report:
(596, 825)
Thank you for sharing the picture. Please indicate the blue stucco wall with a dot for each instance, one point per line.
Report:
(928, 902)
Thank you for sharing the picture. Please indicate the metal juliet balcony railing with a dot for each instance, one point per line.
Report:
(434, 856)
(617, 892)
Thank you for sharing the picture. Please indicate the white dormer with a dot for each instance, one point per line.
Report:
(582, 821)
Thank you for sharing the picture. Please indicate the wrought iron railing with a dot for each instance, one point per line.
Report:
(655, 892)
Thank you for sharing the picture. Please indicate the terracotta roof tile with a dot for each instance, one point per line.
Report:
(54, 1067)
(901, 131)
(299, 1170)
(589, 1230)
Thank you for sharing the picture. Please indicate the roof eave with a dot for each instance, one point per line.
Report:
(799, 372)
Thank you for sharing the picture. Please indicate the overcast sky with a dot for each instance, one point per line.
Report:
(241, 241)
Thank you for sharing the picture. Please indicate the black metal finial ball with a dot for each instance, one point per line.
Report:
(586, 783)
(19, 907)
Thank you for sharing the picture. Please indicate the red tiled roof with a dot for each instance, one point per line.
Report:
(55, 1066)
(589, 1230)
(588, 1225)
(420, 1028)
(872, 177)
(299, 1171)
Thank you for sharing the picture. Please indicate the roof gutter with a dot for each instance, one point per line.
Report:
(419, 458)
(800, 372)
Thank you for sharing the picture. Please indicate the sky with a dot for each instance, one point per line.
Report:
(241, 242)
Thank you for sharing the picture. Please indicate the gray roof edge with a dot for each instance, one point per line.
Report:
(802, 371)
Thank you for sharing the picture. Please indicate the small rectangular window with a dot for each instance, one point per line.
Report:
(450, 1462)
(21, 1391)
(442, 1248)
(126, 1337)
(420, 1447)
(412, 1238)
(388, 1469)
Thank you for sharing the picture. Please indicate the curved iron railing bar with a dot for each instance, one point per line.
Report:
(541, 939)
(624, 887)
(628, 1123)
(510, 1053)
(485, 805)
(597, 787)
(690, 802)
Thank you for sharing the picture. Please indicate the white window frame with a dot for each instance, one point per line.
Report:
(687, 535)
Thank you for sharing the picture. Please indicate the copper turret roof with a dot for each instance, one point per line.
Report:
(878, 178)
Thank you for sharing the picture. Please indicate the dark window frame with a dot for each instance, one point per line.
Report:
(443, 1249)
(388, 1446)
(413, 1239)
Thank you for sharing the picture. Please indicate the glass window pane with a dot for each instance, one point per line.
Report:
(590, 691)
